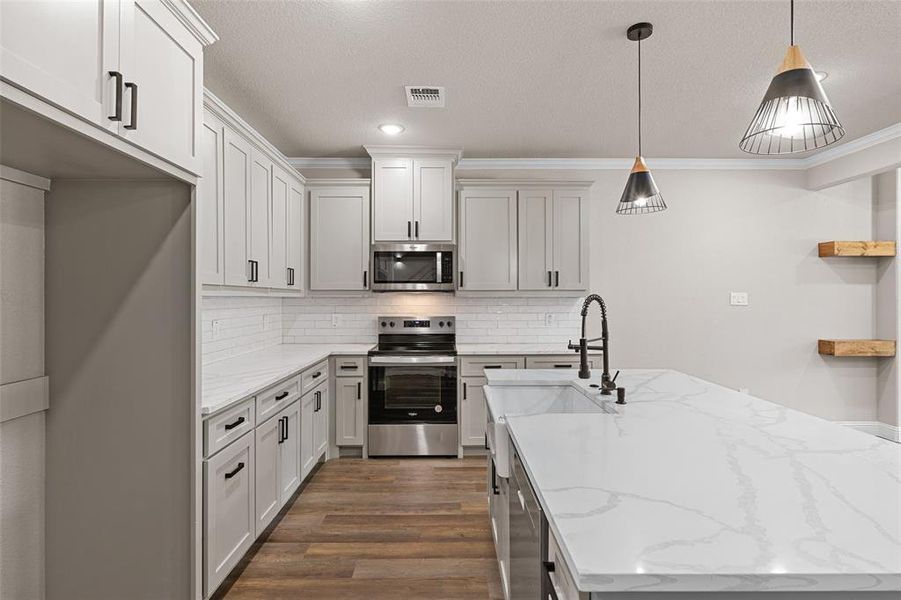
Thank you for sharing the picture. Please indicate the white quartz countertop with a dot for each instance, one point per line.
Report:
(233, 379)
(694, 487)
(515, 349)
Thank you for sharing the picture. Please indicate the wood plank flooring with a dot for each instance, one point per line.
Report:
(378, 529)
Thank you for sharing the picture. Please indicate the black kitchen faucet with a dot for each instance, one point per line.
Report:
(608, 384)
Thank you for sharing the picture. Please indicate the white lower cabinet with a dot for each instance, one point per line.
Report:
(350, 410)
(473, 413)
(229, 516)
(289, 453)
(499, 513)
(277, 464)
(314, 427)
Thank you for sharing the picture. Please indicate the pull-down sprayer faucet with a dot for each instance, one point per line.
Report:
(607, 383)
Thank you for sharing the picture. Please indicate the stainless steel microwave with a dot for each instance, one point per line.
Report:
(413, 267)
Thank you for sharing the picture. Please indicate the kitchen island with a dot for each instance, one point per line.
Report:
(692, 487)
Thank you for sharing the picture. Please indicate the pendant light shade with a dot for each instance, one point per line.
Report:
(641, 194)
(794, 115)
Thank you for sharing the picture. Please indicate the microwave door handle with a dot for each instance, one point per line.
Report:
(438, 267)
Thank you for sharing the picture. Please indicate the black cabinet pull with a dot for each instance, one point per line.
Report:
(461, 278)
(409, 235)
(464, 390)
(281, 396)
(281, 429)
(493, 367)
(365, 278)
(563, 366)
(229, 426)
(348, 367)
(117, 114)
(549, 279)
(290, 276)
(557, 278)
(250, 275)
(417, 230)
(237, 469)
(134, 105)
(317, 374)
(359, 391)
(286, 427)
(254, 271)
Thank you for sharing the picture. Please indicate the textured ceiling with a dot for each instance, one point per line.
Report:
(540, 79)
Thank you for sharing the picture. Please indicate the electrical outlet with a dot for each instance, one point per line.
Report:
(334, 319)
(549, 319)
(217, 328)
(738, 298)
(744, 391)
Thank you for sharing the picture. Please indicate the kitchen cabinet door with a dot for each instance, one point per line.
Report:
(236, 203)
(267, 486)
(289, 453)
(210, 203)
(536, 239)
(487, 248)
(320, 424)
(350, 410)
(162, 63)
(229, 516)
(307, 441)
(278, 241)
(433, 199)
(260, 217)
(473, 411)
(295, 236)
(570, 240)
(63, 52)
(392, 194)
(339, 238)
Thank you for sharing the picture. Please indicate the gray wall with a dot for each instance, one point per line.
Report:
(887, 223)
(119, 340)
(21, 358)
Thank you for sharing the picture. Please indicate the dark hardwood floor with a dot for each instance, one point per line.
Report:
(379, 529)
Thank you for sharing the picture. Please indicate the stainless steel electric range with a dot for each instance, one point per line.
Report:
(413, 388)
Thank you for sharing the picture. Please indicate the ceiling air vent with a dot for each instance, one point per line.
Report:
(427, 96)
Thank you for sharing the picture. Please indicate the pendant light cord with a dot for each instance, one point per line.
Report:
(792, 22)
(639, 97)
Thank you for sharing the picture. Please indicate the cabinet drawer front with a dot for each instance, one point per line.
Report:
(314, 376)
(228, 486)
(475, 366)
(350, 366)
(277, 397)
(222, 429)
(563, 582)
(561, 361)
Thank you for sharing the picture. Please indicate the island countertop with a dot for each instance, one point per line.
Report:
(694, 487)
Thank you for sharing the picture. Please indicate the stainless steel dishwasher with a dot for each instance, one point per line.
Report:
(528, 536)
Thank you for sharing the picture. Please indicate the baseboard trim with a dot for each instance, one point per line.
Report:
(877, 428)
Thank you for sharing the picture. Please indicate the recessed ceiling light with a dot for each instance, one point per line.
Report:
(391, 129)
(821, 75)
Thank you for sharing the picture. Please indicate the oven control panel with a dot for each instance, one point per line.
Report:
(416, 325)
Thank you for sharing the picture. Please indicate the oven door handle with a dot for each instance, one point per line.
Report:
(393, 361)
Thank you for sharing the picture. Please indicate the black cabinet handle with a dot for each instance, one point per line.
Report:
(281, 396)
(236, 470)
(281, 429)
(365, 278)
(290, 276)
(359, 391)
(549, 279)
(317, 374)
(557, 278)
(117, 114)
(286, 427)
(417, 230)
(563, 366)
(348, 367)
(493, 367)
(409, 235)
(461, 278)
(254, 271)
(546, 575)
(229, 426)
(464, 390)
(134, 105)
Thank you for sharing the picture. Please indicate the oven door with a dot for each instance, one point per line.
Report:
(403, 391)
(413, 267)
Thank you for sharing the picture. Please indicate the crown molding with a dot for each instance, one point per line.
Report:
(344, 182)
(386, 150)
(188, 17)
(524, 183)
(24, 178)
(616, 164)
(221, 110)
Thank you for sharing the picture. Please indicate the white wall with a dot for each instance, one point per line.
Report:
(21, 358)
(667, 277)
(887, 224)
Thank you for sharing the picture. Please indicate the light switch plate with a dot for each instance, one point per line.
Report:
(738, 298)
(334, 319)
(549, 319)
(217, 328)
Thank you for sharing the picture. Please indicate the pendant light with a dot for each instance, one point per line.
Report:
(641, 194)
(794, 115)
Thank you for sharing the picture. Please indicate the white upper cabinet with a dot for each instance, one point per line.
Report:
(211, 221)
(412, 194)
(536, 239)
(487, 248)
(392, 218)
(259, 218)
(571, 239)
(63, 52)
(131, 67)
(236, 201)
(278, 249)
(433, 199)
(339, 235)
(295, 236)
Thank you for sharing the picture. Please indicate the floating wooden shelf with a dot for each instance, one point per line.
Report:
(857, 248)
(857, 347)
